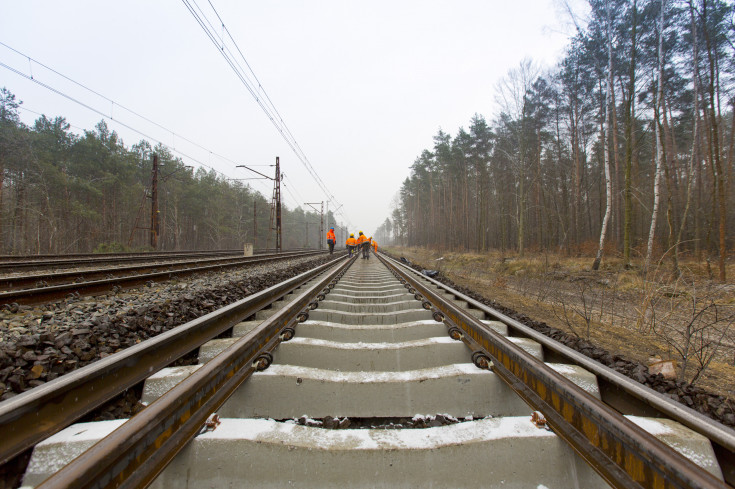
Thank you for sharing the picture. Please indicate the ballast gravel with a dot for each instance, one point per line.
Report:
(40, 343)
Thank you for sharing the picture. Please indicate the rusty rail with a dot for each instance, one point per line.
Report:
(40, 412)
(135, 453)
(625, 455)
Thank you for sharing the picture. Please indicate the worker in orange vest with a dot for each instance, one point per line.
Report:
(351, 243)
(363, 244)
(375, 245)
(331, 239)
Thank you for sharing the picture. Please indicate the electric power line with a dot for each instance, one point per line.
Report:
(113, 103)
(265, 102)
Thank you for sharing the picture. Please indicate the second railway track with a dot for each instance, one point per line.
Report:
(40, 287)
(355, 345)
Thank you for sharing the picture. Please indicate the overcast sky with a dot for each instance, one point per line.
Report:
(363, 87)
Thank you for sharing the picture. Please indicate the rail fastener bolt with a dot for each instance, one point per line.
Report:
(263, 361)
(455, 333)
(287, 334)
(481, 360)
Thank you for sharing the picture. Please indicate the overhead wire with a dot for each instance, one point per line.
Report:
(264, 102)
(171, 147)
(288, 190)
(117, 104)
(300, 198)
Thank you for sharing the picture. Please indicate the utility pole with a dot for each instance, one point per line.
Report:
(321, 229)
(255, 222)
(154, 229)
(154, 204)
(277, 198)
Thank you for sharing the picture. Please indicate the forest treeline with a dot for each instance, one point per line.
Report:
(625, 145)
(63, 193)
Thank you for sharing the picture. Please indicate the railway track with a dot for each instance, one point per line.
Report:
(27, 263)
(10, 263)
(356, 344)
(41, 287)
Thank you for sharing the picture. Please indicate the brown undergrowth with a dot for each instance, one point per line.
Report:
(686, 318)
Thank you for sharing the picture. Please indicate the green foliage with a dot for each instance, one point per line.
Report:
(533, 177)
(63, 192)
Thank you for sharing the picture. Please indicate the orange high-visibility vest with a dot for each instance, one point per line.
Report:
(330, 235)
(361, 239)
(375, 246)
(351, 242)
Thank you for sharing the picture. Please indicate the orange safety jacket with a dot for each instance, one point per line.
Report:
(361, 239)
(375, 246)
(330, 235)
(351, 242)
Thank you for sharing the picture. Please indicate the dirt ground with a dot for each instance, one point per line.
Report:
(688, 319)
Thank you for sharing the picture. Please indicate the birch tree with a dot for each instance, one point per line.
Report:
(659, 140)
(606, 138)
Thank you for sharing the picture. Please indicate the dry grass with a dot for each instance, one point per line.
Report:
(563, 292)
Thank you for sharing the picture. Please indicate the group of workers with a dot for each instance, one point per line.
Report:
(361, 243)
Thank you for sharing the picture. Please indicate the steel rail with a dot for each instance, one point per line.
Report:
(42, 411)
(620, 392)
(625, 455)
(69, 256)
(63, 258)
(10, 267)
(136, 452)
(68, 261)
(43, 294)
(54, 278)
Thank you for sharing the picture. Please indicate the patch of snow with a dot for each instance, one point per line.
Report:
(183, 371)
(61, 448)
(407, 324)
(688, 443)
(442, 340)
(652, 425)
(267, 431)
(458, 369)
(581, 377)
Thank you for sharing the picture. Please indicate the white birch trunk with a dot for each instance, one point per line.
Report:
(605, 142)
(659, 142)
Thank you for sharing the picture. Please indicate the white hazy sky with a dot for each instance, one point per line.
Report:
(363, 87)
